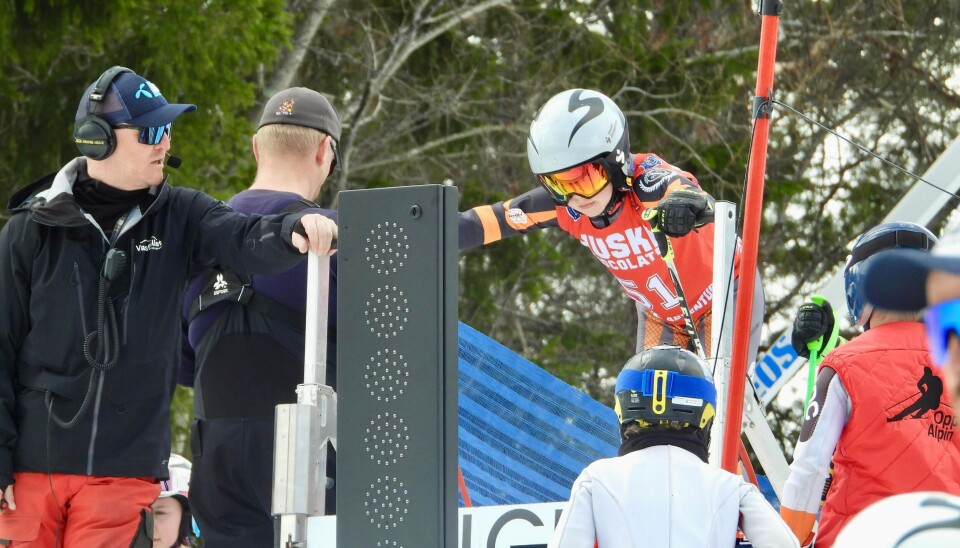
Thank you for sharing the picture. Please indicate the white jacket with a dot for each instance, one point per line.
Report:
(665, 496)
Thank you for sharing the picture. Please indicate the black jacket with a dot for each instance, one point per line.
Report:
(51, 259)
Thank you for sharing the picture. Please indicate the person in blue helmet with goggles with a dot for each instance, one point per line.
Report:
(660, 489)
(876, 399)
(906, 278)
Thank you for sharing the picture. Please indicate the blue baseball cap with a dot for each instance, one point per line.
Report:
(132, 100)
(897, 278)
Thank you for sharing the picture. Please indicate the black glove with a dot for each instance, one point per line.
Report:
(683, 210)
(298, 228)
(812, 322)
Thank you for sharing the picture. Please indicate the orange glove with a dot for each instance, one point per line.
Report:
(801, 523)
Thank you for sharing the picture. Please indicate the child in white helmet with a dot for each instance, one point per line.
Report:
(172, 521)
(660, 491)
(611, 200)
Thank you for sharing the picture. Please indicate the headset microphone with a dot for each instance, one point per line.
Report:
(173, 161)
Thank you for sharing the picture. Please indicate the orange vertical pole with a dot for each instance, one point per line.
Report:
(753, 210)
(467, 503)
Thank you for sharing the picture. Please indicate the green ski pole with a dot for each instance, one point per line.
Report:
(819, 348)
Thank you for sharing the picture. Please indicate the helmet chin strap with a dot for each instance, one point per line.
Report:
(610, 212)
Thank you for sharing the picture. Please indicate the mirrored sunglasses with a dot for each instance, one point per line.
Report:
(336, 155)
(941, 320)
(584, 180)
(151, 135)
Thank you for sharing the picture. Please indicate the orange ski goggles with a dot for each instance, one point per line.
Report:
(584, 180)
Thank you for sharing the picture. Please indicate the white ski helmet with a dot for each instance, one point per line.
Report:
(179, 481)
(178, 487)
(908, 520)
(578, 126)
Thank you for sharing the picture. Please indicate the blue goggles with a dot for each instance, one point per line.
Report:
(644, 383)
(152, 135)
(942, 320)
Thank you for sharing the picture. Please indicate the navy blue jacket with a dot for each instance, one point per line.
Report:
(251, 362)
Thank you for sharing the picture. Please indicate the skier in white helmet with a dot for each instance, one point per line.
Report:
(595, 189)
(172, 520)
(660, 490)
(921, 519)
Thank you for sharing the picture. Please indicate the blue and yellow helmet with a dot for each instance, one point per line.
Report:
(666, 386)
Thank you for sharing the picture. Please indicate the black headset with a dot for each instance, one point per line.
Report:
(92, 134)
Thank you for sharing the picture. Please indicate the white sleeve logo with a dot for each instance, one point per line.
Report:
(652, 179)
(517, 216)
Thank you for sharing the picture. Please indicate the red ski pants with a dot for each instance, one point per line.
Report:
(67, 510)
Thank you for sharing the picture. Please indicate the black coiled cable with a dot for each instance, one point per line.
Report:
(104, 307)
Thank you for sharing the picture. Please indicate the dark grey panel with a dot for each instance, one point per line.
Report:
(397, 368)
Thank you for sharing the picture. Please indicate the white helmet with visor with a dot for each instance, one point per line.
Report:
(578, 143)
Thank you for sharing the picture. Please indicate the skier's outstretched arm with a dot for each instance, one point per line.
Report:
(533, 210)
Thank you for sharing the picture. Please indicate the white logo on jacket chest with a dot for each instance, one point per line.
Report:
(150, 244)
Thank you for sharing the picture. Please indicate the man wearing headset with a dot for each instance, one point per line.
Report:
(93, 263)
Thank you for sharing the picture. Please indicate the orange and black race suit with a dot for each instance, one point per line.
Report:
(626, 246)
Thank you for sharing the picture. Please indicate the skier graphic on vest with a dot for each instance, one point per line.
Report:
(931, 388)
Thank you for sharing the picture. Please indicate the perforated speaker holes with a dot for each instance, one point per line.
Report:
(386, 248)
(386, 375)
(386, 502)
(387, 311)
(387, 439)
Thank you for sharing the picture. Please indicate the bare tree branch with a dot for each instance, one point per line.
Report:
(418, 151)
(289, 66)
(681, 141)
(407, 40)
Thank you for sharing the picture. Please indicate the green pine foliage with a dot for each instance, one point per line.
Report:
(443, 92)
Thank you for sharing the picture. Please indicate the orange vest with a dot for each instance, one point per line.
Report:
(629, 251)
(901, 433)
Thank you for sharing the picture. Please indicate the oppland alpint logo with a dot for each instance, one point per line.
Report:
(926, 402)
(150, 244)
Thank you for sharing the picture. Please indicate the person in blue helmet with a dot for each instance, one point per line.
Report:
(911, 279)
(874, 411)
(659, 490)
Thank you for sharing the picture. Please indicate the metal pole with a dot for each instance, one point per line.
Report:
(721, 331)
(304, 429)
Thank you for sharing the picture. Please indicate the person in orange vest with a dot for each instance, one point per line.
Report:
(878, 407)
(595, 189)
(916, 279)
(907, 280)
